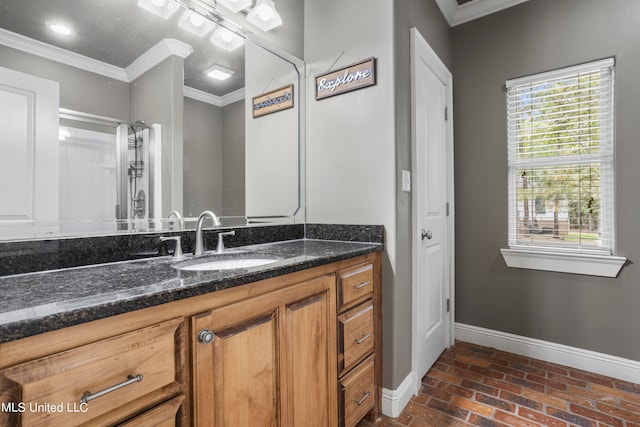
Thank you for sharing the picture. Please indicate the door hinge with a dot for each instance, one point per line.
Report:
(446, 113)
(448, 305)
(447, 208)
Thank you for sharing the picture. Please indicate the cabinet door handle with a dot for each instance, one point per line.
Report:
(362, 285)
(205, 336)
(361, 340)
(87, 396)
(364, 397)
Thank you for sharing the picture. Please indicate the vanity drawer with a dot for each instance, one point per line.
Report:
(356, 335)
(354, 284)
(357, 393)
(123, 375)
(163, 415)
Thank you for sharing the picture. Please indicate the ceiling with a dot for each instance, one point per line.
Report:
(117, 32)
(458, 12)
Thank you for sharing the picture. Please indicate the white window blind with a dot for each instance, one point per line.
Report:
(560, 148)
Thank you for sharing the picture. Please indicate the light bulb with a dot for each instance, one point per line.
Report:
(226, 35)
(196, 20)
(266, 14)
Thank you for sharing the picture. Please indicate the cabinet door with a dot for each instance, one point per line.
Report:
(310, 367)
(271, 361)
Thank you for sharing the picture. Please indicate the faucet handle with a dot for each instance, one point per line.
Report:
(220, 247)
(177, 253)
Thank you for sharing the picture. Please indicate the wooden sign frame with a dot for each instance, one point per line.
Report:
(271, 102)
(352, 77)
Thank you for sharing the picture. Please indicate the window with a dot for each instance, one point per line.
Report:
(560, 155)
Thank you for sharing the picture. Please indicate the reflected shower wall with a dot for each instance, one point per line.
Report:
(87, 177)
(105, 174)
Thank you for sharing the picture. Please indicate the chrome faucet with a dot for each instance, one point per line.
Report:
(199, 250)
(177, 253)
(178, 217)
(220, 248)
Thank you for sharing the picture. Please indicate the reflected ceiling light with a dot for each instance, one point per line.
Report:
(226, 39)
(219, 73)
(264, 15)
(162, 8)
(236, 5)
(60, 28)
(196, 23)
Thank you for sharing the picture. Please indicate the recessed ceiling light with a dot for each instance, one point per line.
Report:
(264, 15)
(196, 23)
(219, 73)
(161, 8)
(60, 28)
(226, 39)
(236, 5)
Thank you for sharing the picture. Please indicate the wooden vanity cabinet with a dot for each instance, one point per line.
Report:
(268, 361)
(301, 349)
(359, 344)
(101, 383)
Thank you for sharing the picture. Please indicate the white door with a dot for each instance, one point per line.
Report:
(28, 154)
(432, 157)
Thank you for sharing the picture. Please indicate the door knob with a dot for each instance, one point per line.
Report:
(427, 234)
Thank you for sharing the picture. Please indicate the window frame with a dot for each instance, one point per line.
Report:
(581, 260)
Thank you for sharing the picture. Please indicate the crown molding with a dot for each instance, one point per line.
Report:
(158, 53)
(456, 14)
(231, 97)
(218, 101)
(53, 53)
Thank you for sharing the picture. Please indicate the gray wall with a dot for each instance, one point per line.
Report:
(79, 90)
(202, 157)
(426, 17)
(233, 147)
(271, 143)
(214, 157)
(355, 149)
(598, 314)
(157, 97)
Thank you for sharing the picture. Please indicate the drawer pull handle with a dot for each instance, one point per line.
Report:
(130, 380)
(361, 340)
(367, 394)
(362, 285)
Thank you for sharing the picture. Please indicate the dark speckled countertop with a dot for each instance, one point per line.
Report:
(34, 303)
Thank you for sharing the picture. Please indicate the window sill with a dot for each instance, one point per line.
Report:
(592, 265)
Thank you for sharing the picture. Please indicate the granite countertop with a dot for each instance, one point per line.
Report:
(34, 303)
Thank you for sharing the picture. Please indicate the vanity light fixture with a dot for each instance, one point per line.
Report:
(264, 15)
(219, 73)
(226, 39)
(60, 28)
(161, 8)
(236, 5)
(196, 23)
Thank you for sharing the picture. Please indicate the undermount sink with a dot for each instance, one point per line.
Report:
(227, 264)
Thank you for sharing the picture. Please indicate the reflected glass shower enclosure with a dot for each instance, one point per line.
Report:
(106, 173)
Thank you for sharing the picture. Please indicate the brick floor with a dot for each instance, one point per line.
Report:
(470, 385)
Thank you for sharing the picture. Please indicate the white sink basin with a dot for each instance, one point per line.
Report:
(228, 264)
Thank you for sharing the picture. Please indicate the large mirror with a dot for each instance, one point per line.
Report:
(121, 115)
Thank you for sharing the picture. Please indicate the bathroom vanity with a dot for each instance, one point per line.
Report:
(290, 343)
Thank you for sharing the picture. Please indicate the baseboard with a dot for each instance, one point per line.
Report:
(394, 401)
(600, 363)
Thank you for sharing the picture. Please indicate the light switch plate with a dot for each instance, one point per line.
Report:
(406, 181)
